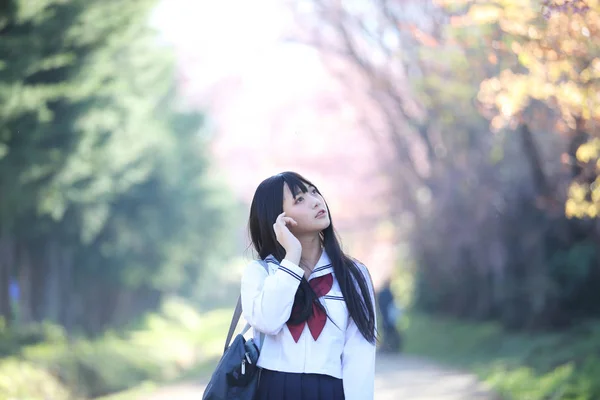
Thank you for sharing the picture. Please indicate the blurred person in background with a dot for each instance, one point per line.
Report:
(390, 314)
(315, 305)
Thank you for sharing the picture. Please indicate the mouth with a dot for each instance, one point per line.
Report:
(321, 214)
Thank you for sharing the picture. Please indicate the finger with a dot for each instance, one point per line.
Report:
(280, 218)
(283, 217)
(290, 221)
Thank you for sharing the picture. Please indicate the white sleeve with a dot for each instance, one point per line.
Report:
(358, 358)
(267, 299)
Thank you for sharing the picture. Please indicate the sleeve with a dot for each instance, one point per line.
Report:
(358, 358)
(267, 299)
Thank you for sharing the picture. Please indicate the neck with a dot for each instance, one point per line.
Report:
(311, 251)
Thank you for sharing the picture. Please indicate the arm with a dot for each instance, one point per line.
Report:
(358, 358)
(267, 299)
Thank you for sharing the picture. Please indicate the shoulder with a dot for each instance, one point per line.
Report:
(261, 267)
(365, 274)
(255, 269)
(363, 270)
(255, 264)
(254, 275)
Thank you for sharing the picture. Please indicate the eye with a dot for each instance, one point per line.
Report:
(299, 199)
(314, 191)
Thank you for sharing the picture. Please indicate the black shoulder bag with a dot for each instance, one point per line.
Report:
(236, 374)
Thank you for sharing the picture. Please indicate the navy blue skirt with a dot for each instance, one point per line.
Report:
(275, 385)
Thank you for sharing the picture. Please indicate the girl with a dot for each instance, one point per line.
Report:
(315, 305)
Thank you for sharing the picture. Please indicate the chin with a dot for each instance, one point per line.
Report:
(325, 224)
(316, 227)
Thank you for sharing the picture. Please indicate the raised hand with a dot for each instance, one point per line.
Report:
(290, 243)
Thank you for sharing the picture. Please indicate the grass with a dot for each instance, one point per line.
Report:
(198, 347)
(177, 343)
(519, 366)
(134, 393)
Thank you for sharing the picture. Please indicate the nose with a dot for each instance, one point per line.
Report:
(317, 202)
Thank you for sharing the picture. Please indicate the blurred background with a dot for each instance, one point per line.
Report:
(456, 143)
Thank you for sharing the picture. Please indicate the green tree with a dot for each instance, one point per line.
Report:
(105, 202)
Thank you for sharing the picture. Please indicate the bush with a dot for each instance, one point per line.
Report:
(23, 380)
(524, 366)
(14, 338)
(167, 346)
(96, 368)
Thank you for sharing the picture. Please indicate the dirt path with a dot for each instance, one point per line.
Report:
(396, 378)
(409, 378)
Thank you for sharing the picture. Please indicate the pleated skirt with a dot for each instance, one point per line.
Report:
(276, 385)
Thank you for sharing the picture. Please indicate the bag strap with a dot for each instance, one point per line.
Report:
(237, 313)
(234, 321)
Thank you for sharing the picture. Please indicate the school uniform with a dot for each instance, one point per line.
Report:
(320, 359)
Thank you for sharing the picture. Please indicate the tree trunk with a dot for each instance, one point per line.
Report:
(535, 160)
(6, 264)
(25, 279)
(69, 308)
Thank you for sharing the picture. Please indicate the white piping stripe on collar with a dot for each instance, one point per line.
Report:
(321, 268)
(289, 271)
(325, 268)
(271, 259)
(320, 271)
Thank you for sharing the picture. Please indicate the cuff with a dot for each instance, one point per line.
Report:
(292, 269)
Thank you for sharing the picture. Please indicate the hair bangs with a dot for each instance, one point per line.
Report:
(296, 183)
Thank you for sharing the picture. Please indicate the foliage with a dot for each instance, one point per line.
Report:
(107, 197)
(23, 380)
(164, 347)
(555, 62)
(535, 366)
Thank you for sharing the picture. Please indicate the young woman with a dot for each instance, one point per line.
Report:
(314, 305)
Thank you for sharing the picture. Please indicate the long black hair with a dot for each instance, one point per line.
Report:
(266, 205)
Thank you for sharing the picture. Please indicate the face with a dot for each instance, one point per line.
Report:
(307, 209)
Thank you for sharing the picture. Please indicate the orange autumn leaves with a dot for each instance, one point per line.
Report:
(555, 47)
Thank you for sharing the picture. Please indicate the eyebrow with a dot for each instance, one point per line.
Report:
(301, 193)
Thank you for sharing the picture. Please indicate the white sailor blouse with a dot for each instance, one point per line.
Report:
(320, 346)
